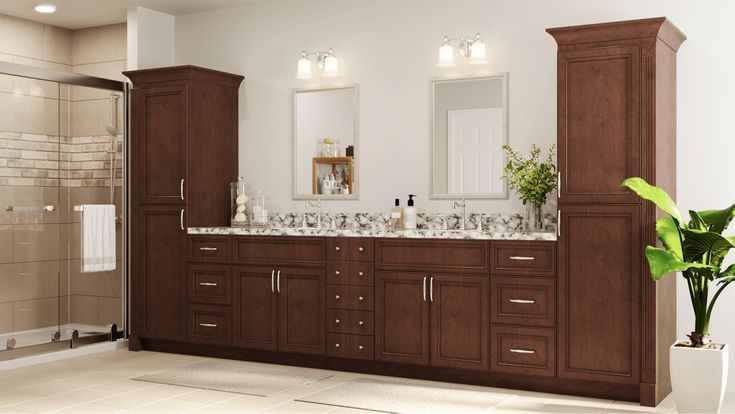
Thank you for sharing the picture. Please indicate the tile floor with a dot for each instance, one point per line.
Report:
(101, 383)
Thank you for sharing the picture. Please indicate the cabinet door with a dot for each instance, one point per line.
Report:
(599, 293)
(256, 308)
(159, 120)
(599, 123)
(159, 278)
(401, 317)
(302, 310)
(460, 321)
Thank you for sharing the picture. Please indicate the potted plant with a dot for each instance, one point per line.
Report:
(532, 180)
(696, 249)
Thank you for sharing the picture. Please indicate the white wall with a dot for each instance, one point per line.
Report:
(150, 38)
(389, 47)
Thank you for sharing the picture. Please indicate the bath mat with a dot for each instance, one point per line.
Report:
(404, 397)
(235, 376)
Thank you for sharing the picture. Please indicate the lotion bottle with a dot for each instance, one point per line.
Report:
(409, 214)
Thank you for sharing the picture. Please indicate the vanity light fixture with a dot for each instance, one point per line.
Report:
(45, 8)
(471, 47)
(325, 61)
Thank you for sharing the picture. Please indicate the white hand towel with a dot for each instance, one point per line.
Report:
(98, 238)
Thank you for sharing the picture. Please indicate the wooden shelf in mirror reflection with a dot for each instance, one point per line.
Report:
(333, 164)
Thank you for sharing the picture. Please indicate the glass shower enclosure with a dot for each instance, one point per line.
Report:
(61, 148)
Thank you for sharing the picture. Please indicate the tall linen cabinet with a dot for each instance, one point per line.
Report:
(184, 133)
(616, 119)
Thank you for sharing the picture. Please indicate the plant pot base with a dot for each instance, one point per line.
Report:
(699, 376)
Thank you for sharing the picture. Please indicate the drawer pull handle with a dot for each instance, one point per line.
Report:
(336, 345)
(360, 347)
(208, 249)
(208, 325)
(337, 248)
(522, 258)
(207, 284)
(337, 272)
(361, 249)
(522, 351)
(524, 301)
(336, 321)
(361, 298)
(360, 274)
(360, 323)
(336, 297)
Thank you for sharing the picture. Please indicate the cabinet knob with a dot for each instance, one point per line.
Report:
(361, 248)
(337, 272)
(337, 248)
(361, 298)
(336, 321)
(336, 345)
(360, 274)
(360, 323)
(360, 347)
(336, 297)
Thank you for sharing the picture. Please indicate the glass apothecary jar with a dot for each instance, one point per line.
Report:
(328, 148)
(259, 211)
(240, 203)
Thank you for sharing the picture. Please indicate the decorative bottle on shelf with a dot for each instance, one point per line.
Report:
(239, 203)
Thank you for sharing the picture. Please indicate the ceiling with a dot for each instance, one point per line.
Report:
(78, 14)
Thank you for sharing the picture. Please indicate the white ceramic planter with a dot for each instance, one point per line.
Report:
(699, 378)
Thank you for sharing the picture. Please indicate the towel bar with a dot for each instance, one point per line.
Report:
(28, 209)
(118, 219)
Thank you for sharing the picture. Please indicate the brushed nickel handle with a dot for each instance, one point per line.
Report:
(424, 290)
(558, 223)
(360, 347)
(337, 272)
(336, 345)
(431, 289)
(278, 282)
(207, 284)
(336, 297)
(273, 281)
(337, 248)
(181, 189)
(360, 298)
(181, 219)
(208, 249)
(208, 325)
(336, 321)
(558, 184)
(522, 351)
(522, 258)
(360, 323)
(361, 249)
(525, 301)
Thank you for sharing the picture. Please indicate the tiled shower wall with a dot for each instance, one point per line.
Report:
(53, 151)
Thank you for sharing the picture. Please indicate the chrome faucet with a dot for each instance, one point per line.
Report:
(462, 204)
(318, 206)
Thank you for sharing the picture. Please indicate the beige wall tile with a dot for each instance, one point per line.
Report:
(6, 318)
(83, 309)
(85, 118)
(85, 46)
(110, 69)
(34, 314)
(29, 281)
(35, 87)
(6, 244)
(110, 311)
(21, 37)
(6, 83)
(113, 42)
(107, 284)
(57, 44)
(41, 63)
(35, 242)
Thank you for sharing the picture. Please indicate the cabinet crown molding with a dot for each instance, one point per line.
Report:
(656, 27)
(183, 73)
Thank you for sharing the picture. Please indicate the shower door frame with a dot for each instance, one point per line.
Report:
(76, 79)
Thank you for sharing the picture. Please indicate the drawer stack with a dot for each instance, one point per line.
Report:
(523, 308)
(350, 297)
(209, 292)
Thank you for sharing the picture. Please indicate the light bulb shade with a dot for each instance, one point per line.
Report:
(45, 8)
(446, 56)
(331, 66)
(304, 69)
(477, 53)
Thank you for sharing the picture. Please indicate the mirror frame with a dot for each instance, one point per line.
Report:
(473, 196)
(356, 183)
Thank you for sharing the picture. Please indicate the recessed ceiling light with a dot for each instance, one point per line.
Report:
(45, 8)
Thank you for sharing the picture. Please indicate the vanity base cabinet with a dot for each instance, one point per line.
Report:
(255, 310)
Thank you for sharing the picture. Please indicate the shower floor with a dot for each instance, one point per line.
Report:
(45, 335)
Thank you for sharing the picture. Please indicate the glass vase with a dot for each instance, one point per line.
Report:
(534, 220)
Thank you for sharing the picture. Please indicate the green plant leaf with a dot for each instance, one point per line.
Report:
(662, 263)
(696, 221)
(718, 219)
(730, 271)
(656, 195)
(698, 242)
(667, 230)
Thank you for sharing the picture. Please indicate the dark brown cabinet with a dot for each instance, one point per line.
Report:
(616, 119)
(255, 312)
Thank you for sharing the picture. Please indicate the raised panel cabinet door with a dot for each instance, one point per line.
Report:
(460, 321)
(599, 120)
(255, 311)
(159, 126)
(160, 273)
(302, 310)
(402, 317)
(599, 293)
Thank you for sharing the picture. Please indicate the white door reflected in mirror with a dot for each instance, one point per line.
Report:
(468, 131)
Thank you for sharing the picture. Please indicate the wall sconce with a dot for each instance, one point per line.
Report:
(469, 47)
(325, 61)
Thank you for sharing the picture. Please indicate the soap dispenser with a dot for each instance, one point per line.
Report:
(409, 214)
(396, 216)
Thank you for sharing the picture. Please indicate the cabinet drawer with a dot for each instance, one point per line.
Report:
(350, 248)
(363, 249)
(338, 297)
(361, 323)
(338, 345)
(524, 258)
(523, 301)
(339, 273)
(362, 274)
(209, 249)
(338, 248)
(338, 321)
(209, 284)
(362, 298)
(460, 256)
(280, 251)
(362, 347)
(209, 324)
(527, 351)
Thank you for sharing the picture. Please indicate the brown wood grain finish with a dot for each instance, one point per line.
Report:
(459, 321)
(528, 351)
(280, 251)
(523, 258)
(339, 272)
(350, 248)
(210, 249)
(255, 311)
(460, 256)
(302, 311)
(210, 284)
(523, 301)
(210, 324)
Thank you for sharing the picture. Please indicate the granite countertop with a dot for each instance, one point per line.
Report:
(409, 234)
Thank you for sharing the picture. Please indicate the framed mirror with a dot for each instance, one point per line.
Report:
(325, 148)
(468, 130)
